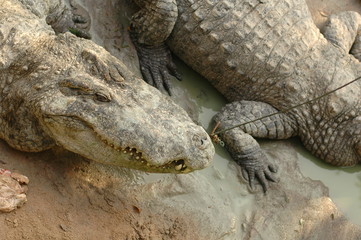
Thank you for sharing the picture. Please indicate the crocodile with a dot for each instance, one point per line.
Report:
(264, 56)
(60, 89)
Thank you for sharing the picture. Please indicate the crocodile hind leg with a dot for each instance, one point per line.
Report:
(344, 31)
(239, 141)
(149, 29)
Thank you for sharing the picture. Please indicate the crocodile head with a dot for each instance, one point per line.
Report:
(91, 104)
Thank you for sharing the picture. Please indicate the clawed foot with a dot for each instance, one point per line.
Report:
(156, 65)
(75, 20)
(81, 21)
(255, 167)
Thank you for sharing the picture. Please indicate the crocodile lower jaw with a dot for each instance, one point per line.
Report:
(86, 141)
(136, 160)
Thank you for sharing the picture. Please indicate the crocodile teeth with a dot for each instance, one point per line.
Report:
(179, 167)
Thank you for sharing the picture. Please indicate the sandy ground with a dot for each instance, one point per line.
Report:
(65, 203)
(71, 198)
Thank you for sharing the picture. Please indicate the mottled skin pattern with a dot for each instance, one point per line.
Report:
(264, 56)
(65, 90)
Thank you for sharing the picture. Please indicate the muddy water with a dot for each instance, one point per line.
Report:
(344, 183)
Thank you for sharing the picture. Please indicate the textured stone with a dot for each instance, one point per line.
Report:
(12, 194)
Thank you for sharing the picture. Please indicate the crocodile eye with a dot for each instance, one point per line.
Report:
(101, 97)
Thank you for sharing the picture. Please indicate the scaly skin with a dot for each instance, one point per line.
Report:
(61, 89)
(265, 56)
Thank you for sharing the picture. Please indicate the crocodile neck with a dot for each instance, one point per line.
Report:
(26, 62)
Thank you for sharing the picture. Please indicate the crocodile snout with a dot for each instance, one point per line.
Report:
(201, 140)
(201, 151)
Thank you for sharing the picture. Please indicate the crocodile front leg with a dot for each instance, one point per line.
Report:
(75, 20)
(239, 141)
(149, 29)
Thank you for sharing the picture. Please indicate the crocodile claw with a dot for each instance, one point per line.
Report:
(80, 21)
(257, 169)
(156, 65)
(75, 20)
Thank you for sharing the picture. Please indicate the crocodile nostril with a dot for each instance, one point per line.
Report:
(201, 142)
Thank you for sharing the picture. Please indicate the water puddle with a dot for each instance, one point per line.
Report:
(344, 183)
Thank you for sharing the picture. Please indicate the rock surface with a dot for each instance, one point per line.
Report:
(12, 194)
(72, 198)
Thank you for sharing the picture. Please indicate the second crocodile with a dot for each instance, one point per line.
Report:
(265, 56)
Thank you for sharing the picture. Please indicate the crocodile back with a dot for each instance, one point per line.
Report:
(264, 50)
